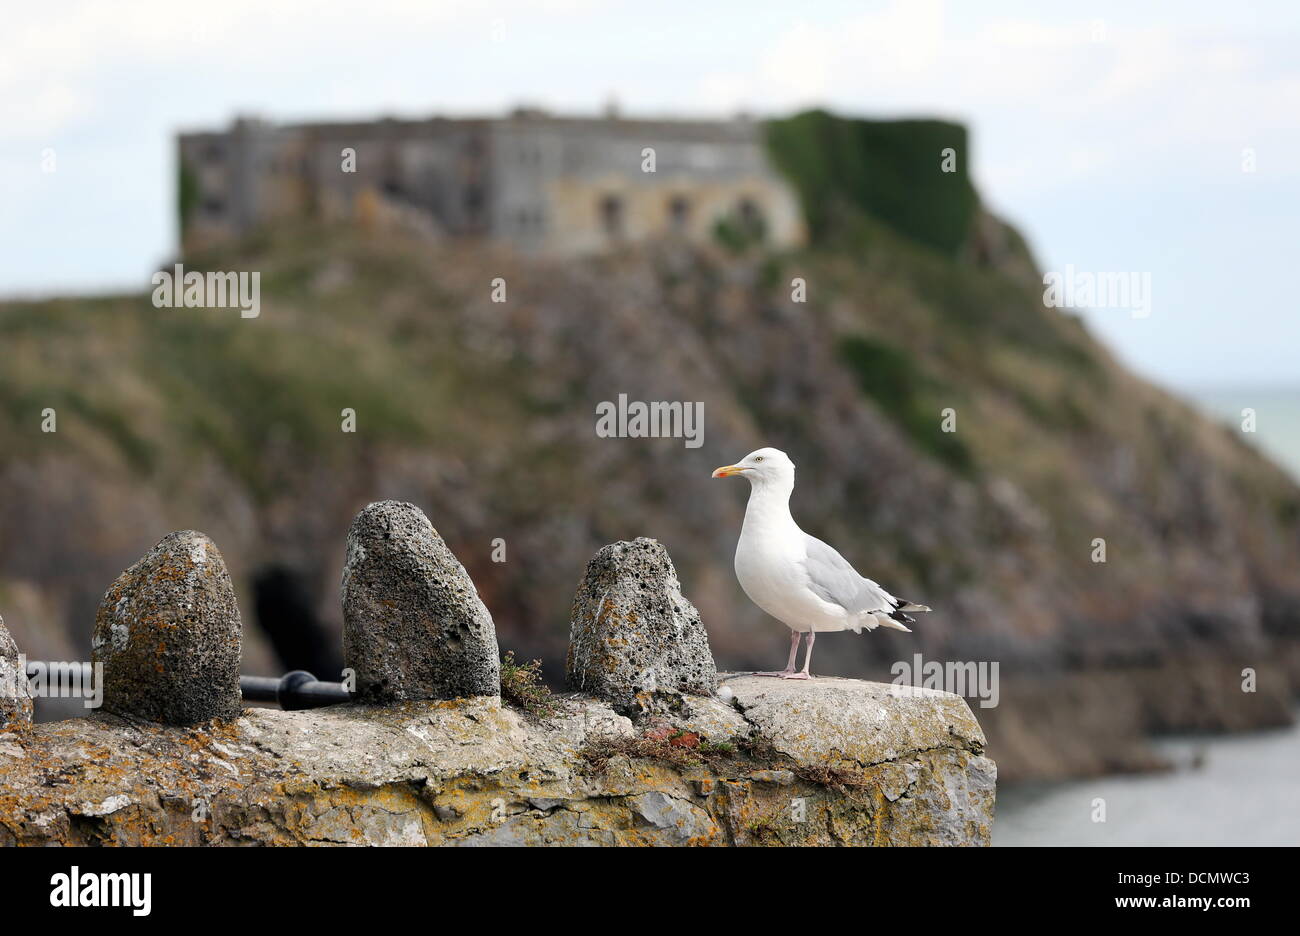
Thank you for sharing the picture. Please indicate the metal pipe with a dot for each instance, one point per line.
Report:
(294, 690)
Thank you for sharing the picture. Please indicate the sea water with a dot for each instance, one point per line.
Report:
(1226, 790)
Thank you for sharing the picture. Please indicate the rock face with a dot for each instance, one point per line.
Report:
(168, 635)
(635, 640)
(15, 703)
(413, 624)
(922, 747)
(475, 772)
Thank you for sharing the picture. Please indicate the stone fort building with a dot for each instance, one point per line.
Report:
(537, 182)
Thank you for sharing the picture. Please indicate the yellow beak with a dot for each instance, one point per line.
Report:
(726, 471)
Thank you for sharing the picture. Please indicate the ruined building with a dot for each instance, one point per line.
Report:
(531, 180)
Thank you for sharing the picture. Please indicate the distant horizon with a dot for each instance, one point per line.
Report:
(1277, 427)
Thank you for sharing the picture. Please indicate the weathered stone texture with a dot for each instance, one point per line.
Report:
(15, 703)
(168, 634)
(473, 772)
(413, 624)
(922, 748)
(635, 640)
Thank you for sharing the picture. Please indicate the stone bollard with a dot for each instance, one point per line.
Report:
(15, 702)
(413, 624)
(168, 633)
(635, 640)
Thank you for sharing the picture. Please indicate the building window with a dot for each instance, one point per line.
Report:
(473, 204)
(751, 218)
(528, 219)
(611, 215)
(679, 212)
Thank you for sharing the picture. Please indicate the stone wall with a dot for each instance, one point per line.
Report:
(531, 180)
(646, 755)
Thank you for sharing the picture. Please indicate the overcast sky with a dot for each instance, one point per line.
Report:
(1111, 133)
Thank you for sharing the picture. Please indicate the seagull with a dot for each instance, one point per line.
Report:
(796, 578)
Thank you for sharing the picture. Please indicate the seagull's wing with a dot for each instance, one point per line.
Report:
(831, 578)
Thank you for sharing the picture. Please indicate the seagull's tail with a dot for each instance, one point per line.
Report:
(895, 621)
(898, 619)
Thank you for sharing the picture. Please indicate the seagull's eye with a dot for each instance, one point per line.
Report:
(759, 459)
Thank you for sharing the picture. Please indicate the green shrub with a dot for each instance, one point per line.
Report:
(892, 379)
(887, 169)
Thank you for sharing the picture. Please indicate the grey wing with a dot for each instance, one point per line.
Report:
(832, 579)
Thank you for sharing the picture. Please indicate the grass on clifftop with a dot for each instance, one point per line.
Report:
(888, 169)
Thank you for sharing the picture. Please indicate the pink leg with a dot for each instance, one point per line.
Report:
(807, 661)
(794, 652)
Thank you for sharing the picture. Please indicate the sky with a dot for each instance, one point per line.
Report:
(1116, 136)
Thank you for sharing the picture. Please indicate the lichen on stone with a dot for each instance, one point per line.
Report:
(635, 639)
(168, 634)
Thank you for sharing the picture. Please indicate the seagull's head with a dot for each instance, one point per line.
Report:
(765, 466)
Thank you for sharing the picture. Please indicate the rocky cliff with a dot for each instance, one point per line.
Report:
(437, 760)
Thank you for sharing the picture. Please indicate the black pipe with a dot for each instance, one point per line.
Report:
(295, 690)
(298, 689)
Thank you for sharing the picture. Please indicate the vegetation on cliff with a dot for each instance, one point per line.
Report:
(910, 174)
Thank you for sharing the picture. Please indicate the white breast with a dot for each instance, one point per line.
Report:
(770, 569)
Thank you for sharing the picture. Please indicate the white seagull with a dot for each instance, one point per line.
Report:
(796, 578)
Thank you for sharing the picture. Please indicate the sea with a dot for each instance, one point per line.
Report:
(1222, 790)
